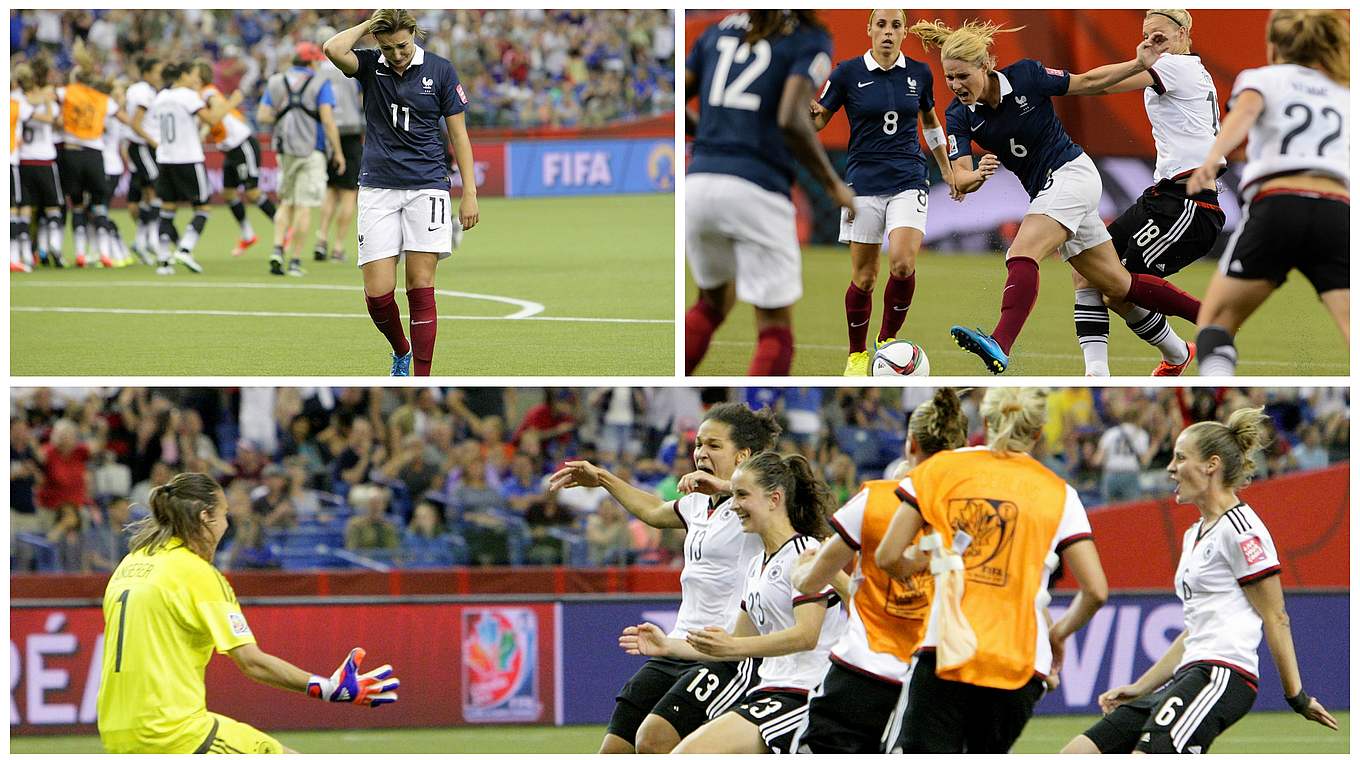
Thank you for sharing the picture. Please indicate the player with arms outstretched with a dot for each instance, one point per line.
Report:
(671, 696)
(1009, 110)
(410, 97)
(1228, 580)
(754, 74)
(166, 610)
(1296, 182)
(1167, 228)
(887, 172)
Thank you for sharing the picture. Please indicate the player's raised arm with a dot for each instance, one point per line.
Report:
(340, 48)
(468, 213)
(1098, 80)
(644, 505)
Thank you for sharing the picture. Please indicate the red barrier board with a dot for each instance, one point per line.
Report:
(458, 664)
(1307, 514)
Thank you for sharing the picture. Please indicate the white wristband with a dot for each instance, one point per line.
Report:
(934, 137)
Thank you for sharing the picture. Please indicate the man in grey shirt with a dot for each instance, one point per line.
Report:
(342, 187)
(300, 104)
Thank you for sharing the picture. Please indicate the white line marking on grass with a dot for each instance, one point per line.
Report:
(1030, 354)
(316, 314)
(527, 309)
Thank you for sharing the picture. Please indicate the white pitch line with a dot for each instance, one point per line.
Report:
(527, 309)
(316, 314)
(1240, 362)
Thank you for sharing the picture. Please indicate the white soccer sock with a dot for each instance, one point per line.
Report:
(247, 232)
(1153, 328)
(1093, 331)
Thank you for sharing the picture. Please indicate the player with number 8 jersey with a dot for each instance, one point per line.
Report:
(410, 97)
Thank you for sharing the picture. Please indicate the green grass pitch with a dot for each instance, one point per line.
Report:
(597, 273)
(1291, 335)
(1260, 732)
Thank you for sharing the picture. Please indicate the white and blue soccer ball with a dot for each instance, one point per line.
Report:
(899, 357)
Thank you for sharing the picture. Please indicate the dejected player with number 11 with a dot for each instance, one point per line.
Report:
(404, 206)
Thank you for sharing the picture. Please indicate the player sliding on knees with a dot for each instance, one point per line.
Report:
(1168, 228)
(1010, 111)
(1228, 580)
(404, 206)
(887, 172)
(1296, 182)
(166, 609)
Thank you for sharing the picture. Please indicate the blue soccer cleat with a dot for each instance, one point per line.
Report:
(980, 343)
(401, 365)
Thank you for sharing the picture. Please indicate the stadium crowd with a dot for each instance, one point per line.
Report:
(377, 477)
(523, 68)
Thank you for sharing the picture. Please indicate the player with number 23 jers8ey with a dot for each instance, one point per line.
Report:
(166, 610)
(404, 206)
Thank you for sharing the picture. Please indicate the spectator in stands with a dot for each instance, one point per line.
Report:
(161, 473)
(543, 517)
(191, 438)
(244, 539)
(423, 544)
(417, 463)
(554, 420)
(369, 528)
(65, 481)
(105, 541)
(482, 512)
(25, 475)
(110, 478)
(1122, 454)
(360, 454)
(608, 539)
(523, 487)
(299, 445)
(271, 501)
(250, 461)
(843, 477)
(616, 413)
(65, 535)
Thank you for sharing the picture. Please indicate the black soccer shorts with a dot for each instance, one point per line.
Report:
(780, 714)
(1185, 716)
(850, 712)
(1164, 231)
(950, 716)
(1285, 230)
(642, 692)
(705, 691)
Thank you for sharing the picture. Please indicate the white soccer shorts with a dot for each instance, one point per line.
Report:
(878, 215)
(738, 230)
(392, 222)
(1072, 199)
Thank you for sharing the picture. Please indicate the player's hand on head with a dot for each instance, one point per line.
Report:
(374, 688)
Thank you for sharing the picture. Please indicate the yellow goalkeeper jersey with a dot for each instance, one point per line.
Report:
(164, 614)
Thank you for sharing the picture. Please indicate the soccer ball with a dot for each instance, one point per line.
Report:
(899, 357)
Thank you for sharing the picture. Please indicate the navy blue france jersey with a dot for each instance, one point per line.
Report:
(1023, 131)
(885, 155)
(405, 145)
(739, 90)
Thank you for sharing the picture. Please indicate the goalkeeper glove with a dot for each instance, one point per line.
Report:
(347, 684)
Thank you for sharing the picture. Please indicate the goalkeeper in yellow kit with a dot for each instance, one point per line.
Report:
(166, 609)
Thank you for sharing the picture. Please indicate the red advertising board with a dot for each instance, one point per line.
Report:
(458, 664)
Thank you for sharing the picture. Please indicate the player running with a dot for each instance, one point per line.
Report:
(404, 182)
(1167, 228)
(342, 188)
(178, 112)
(989, 644)
(887, 171)
(1230, 591)
(657, 707)
(166, 609)
(1010, 111)
(783, 501)
(858, 707)
(234, 137)
(1296, 182)
(754, 74)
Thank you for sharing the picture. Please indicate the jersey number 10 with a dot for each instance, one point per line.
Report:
(734, 95)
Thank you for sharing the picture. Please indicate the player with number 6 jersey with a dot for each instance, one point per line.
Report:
(1009, 112)
(411, 97)
(166, 610)
(887, 171)
(1228, 581)
(754, 74)
(672, 695)
(1166, 229)
(1295, 115)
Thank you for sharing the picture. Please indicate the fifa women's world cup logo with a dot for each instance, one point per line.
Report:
(991, 523)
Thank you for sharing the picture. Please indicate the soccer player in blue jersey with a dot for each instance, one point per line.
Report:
(404, 180)
(1008, 111)
(887, 171)
(754, 74)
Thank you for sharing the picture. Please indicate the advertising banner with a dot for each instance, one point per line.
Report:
(593, 666)
(458, 664)
(590, 167)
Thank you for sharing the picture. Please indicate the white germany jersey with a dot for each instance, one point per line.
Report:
(141, 95)
(174, 111)
(1222, 625)
(233, 129)
(38, 142)
(853, 647)
(769, 599)
(1304, 127)
(716, 551)
(114, 134)
(1182, 106)
(23, 112)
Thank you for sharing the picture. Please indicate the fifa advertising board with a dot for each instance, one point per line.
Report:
(589, 167)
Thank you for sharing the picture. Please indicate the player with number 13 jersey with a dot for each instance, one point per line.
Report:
(410, 97)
